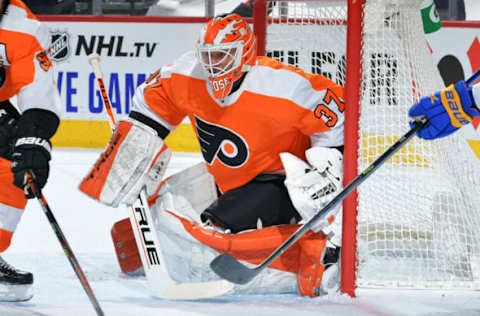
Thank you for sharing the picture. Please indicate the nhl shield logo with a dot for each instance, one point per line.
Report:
(60, 47)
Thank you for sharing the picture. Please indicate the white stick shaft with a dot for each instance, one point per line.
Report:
(94, 60)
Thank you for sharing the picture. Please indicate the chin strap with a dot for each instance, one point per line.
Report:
(237, 83)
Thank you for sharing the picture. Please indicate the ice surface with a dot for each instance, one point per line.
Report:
(86, 225)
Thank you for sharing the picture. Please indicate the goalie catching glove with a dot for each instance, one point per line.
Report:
(312, 185)
(135, 157)
(446, 110)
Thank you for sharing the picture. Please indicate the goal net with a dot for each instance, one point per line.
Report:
(415, 222)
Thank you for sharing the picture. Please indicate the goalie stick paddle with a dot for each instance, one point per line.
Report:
(234, 271)
(63, 242)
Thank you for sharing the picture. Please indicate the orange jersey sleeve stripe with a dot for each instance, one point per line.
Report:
(22, 72)
(12, 204)
(10, 195)
(5, 239)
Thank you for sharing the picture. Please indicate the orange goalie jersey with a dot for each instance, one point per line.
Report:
(276, 109)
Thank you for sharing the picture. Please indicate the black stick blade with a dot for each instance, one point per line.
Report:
(230, 269)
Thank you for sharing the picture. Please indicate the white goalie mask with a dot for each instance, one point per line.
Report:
(226, 49)
(219, 60)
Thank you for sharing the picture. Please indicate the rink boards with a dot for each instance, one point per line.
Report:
(131, 48)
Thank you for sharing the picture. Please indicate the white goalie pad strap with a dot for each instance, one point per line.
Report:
(312, 185)
(141, 160)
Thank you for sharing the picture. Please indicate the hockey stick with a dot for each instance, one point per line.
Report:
(94, 60)
(149, 247)
(234, 271)
(63, 242)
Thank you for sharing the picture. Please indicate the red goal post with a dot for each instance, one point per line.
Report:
(411, 225)
(351, 120)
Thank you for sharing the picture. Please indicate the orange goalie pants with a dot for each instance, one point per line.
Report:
(303, 258)
(12, 204)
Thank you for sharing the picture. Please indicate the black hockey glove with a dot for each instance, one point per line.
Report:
(7, 132)
(8, 122)
(31, 151)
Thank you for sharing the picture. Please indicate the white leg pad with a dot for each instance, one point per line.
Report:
(188, 260)
(196, 185)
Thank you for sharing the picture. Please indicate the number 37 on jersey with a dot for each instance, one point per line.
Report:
(325, 110)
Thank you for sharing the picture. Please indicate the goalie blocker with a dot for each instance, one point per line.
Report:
(135, 157)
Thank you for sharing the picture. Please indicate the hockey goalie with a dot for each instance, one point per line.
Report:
(271, 136)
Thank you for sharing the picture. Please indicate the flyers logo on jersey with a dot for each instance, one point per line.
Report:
(220, 143)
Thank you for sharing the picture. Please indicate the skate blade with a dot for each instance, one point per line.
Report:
(15, 293)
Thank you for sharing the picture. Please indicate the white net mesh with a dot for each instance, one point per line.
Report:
(417, 215)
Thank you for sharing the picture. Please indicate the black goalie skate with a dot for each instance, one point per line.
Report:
(15, 284)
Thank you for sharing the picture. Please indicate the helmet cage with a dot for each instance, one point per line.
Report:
(219, 60)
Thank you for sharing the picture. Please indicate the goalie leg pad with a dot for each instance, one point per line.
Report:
(189, 248)
(251, 246)
(135, 157)
(188, 260)
(304, 258)
(195, 184)
(310, 274)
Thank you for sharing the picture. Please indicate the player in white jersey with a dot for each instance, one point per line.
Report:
(447, 110)
(27, 73)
